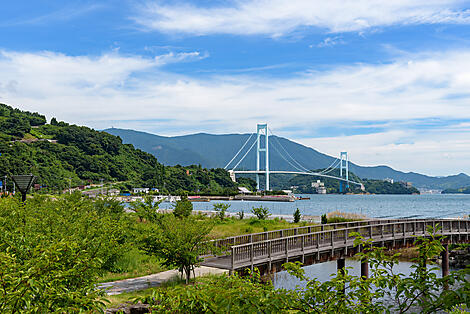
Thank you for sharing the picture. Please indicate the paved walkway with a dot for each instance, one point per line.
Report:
(154, 280)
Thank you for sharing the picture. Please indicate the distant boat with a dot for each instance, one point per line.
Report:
(303, 198)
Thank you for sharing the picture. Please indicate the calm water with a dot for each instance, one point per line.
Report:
(374, 206)
(324, 272)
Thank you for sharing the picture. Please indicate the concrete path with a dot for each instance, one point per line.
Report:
(154, 280)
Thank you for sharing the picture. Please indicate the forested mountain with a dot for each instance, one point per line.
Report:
(60, 154)
(211, 151)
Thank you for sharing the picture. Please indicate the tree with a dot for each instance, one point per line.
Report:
(261, 212)
(324, 219)
(297, 216)
(148, 209)
(52, 251)
(180, 241)
(183, 207)
(221, 208)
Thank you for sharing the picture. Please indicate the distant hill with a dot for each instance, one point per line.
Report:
(61, 154)
(213, 151)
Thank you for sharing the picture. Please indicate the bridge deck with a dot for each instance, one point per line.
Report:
(341, 238)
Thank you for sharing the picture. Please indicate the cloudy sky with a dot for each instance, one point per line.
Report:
(387, 81)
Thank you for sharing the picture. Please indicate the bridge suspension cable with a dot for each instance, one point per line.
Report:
(239, 151)
(331, 167)
(251, 147)
(295, 167)
(293, 159)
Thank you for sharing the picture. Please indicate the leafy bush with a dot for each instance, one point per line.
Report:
(51, 253)
(221, 209)
(324, 220)
(241, 215)
(183, 208)
(261, 212)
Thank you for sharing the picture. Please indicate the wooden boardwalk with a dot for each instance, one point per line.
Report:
(313, 244)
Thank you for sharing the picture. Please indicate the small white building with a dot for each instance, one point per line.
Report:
(244, 190)
(389, 180)
(140, 190)
(319, 187)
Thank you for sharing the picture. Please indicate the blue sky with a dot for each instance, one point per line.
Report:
(388, 82)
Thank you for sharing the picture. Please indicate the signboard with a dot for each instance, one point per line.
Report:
(23, 182)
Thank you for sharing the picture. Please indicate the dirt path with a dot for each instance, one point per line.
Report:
(154, 280)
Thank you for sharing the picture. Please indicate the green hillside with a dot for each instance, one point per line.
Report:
(303, 184)
(60, 154)
(214, 151)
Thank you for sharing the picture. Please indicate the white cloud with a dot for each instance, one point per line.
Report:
(132, 91)
(330, 42)
(172, 57)
(279, 17)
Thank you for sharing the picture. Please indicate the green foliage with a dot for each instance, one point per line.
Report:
(324, 219)
(297, 216)
(52, 251)
(83, 154)
(261, 212)
(241, 214)
(384, 292)
(180, 242)
(221, 209)
(147, 210)
(183, 208)
(225, 294)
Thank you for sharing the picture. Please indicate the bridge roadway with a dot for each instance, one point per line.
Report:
(320, 243)
(316, 174)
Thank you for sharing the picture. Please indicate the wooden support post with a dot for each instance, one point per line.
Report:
(341, 263)
(269, 256)
(233, 260)
(364, 268)
(287, 250)
(445, 263)
(251, 256)
(303, 247)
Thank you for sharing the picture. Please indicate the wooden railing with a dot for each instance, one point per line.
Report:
(298, 244)
(278, 234)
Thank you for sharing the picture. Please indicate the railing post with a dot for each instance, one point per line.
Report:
(287, 250)
(303, 246)
(269, 256)
(233, 261)
(370, 232)
(251, 256)
(381, 231)
(318, 246)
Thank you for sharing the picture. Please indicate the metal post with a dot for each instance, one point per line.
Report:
(341, 263)
(364, 268)
(445, 263)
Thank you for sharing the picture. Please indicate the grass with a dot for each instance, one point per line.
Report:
(134, 264)
(233, 226)
(116, 300)
(337, 216)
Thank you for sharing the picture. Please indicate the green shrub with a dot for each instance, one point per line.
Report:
(261, 212)
(324, 220)
(297, 216)
(183, 208)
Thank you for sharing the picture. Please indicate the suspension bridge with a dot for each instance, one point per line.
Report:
(262, 148)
